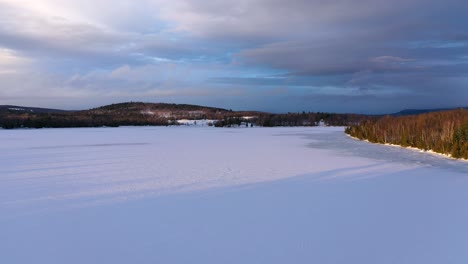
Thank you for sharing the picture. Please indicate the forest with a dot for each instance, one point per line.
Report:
(145, 114)
(443, 132)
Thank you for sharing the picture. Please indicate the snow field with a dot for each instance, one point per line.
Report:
(219, 195)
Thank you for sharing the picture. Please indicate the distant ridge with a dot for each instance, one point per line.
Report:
(138, 106)
(26, 109)
(161, 114)
(423, 111)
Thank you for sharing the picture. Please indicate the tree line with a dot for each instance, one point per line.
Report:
(76, 119)
(309, 119)
(443, 132)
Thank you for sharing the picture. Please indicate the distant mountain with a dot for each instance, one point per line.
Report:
(162, 110)
(423, 111)
(139, 106)
(25, 109)
(160, 114)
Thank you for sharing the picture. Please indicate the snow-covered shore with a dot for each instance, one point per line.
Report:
(411, 148)
(204, 195)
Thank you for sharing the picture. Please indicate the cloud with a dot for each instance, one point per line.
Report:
(11, 63)
(390, 60)
(273, 18)
(235, 52)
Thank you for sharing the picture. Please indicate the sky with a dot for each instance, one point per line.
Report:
(361, 56)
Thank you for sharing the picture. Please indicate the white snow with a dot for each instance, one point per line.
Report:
(16, 109)
(414, 149)
(222, 195)
(147, 112)
(196, 122)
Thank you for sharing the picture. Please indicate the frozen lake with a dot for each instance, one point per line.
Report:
(219, 195)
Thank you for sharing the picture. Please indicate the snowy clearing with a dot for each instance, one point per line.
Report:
(197, 122)
(222, 195)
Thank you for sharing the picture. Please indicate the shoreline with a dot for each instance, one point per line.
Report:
(447, 156)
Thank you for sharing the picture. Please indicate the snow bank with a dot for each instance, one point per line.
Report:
(411, 148)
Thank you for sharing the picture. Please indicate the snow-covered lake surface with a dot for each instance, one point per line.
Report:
(218, 195)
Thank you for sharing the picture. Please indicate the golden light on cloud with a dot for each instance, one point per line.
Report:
(10, 62)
